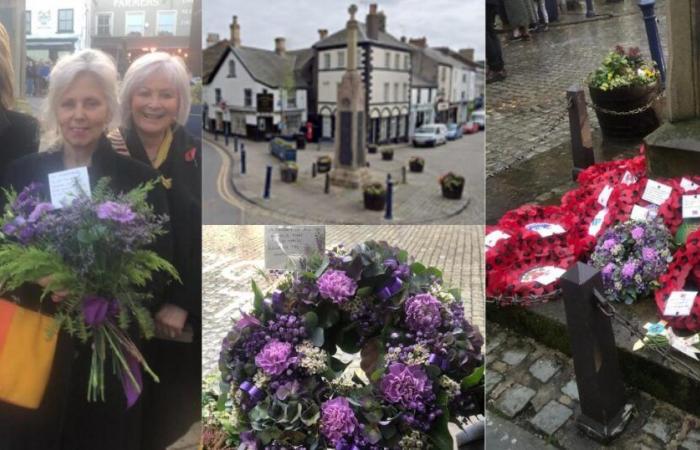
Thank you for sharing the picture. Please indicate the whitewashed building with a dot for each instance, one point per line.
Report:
(254, 92)
(385, 65)
(56, 28)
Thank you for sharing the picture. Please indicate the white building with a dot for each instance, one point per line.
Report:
(54, 28)
(385, 65)
(254, 92)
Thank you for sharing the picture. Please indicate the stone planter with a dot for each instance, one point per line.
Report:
(375, 202)
(323, 166)
(387, 155)
(454, 193)
(415, 166)
(627, 126)
(289, 175)
(372, 148)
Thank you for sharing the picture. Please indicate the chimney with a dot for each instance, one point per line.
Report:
(467, 53)
(322, 33)
(372, 22)
(419, 43)
(280, 47)
(212, 38)
(235, 33)
(403, 39)
(382, 21)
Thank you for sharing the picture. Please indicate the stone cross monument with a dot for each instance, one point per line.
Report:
(349, 166)
(674, 148)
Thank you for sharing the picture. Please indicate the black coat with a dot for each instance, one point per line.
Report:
(19, 136)
(65, 420)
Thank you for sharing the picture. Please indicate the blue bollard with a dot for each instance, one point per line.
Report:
(268, 180)
(242, 161)
(389, 197)
(589, 9)
(657, 53)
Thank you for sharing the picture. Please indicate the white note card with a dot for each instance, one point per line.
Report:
(639, 213)
(691, 206)
(688, 185)
(66, 185)
(680, 303)
(656, 192)
(604, 195)
(597, 222)
(286, 245)
(495, 236)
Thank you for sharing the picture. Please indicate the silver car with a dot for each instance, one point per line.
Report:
(433, 134)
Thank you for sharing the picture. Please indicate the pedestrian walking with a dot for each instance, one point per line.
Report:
(541, 16)
(520, 17)
(494, 55)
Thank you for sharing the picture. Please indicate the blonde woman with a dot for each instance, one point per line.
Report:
(19, 133)
(81, 104)
(155, 103)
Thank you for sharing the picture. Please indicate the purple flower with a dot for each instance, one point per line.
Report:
(337, 420)
(423, 312)
(407, 386)
(608, 269)
(39, 210)
(649, 254)
(637, 233)
(609, 243)
(275, 357)
(628, 269)
(118, 212)
(336, 285)
(246, 321)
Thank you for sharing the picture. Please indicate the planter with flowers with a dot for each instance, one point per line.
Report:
(374, 196)
(623, 91)
(452, 185)
(416, 164)
(387, 154)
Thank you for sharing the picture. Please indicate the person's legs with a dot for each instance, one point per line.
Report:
(494, 56)
(543, 11)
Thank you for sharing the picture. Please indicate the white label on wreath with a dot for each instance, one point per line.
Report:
(545, 229)
(597, 222)
(691, 206)
(604, 195)
(688, 185)
(628, 178)
(639, 213)
(543, 275)
(680, 303)
(66, 185)
(656, 192)
(285, 245)
(495, 236)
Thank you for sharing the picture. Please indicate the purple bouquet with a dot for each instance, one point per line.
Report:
(94, 250)
(632, 256)
(421, 357)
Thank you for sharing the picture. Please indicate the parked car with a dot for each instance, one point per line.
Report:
(432, 135)
(479, 117)
(454, 131)
(470, 128)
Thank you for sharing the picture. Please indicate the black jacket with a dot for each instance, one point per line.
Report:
(65, 420)
(183, 168)
(19, 136)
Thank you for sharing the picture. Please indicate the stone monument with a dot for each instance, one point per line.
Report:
(674, 148)
(349, 165)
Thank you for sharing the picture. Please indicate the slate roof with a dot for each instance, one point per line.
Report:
(339, 39)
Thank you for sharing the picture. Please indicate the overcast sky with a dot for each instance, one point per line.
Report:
(452, 23)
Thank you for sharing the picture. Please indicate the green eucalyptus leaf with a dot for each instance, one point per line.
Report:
(473, 379)
(402, 256)
(258, 302)
(418, 268)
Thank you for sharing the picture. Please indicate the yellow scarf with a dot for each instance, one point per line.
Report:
(162, 155)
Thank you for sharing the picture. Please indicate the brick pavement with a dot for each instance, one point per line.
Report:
(522, 109)
(417, 201)
(232, 256)
(531, 390)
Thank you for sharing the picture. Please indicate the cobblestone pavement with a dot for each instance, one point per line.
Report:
(526, 113)
(232, 256)
(532, 398)
(417, 201)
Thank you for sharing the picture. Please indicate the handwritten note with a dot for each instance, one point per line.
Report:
(285, 245)
(656, 192)
(691, 206)
(680, 303)
(66, 185)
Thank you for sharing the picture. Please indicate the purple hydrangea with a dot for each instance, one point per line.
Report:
(628, 269)
(423, 312)
(407, 386)
(118, 212)
(649, 254)
(275, 358)
(336, 285)
(337, 420)
(637, 233)
(609, 243)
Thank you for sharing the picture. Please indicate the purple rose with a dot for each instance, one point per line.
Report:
(337, 419)
(39, 210)
(637, 233)
(407, 386)
(423, 312)
(609, 243)
(628, 269)
(649, 254)
(275, 357)
(336, 285)
(118, 212)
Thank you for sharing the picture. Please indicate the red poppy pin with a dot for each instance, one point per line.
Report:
(190, 154)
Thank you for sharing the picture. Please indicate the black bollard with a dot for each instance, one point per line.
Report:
(403, 175)
(235, 143)
(603, 412)
(216, 133)
(242, 160)
(389, 197)
(327, 187)
(580, 130)
(226, 136)
(268, 180)
(313, 170)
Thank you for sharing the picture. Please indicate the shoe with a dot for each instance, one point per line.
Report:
(495, 77)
